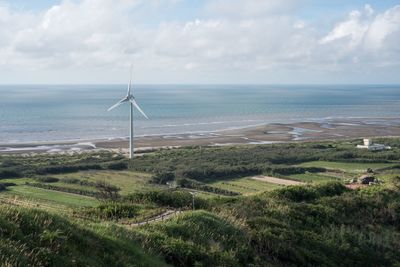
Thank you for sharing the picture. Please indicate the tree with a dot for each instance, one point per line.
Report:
(107, 191)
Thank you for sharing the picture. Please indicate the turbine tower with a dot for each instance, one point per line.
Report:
(132, 103)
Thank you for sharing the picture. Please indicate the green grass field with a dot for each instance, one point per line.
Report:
(312, 177)
(128, 181)
(245, 186)
(347, 166)
(39, 194)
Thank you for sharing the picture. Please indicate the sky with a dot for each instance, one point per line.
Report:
(200, 41)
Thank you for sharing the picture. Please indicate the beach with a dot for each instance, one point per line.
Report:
(260, 134)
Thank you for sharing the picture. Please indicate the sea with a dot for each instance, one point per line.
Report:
(38, 113)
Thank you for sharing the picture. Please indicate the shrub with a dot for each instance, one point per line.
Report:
(296, 193)
(119, 165)
(45, 179)
(192, 184)
(309, 193)
(169, 198)
(396, 182)
(3, 186)
(114, 210)
(65, 189)
(162, 177)
(78, 181)
(9, 173)
(107, 191)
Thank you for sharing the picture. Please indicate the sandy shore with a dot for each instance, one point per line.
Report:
(264, 134)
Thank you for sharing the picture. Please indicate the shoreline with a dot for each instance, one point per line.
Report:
(260, 134)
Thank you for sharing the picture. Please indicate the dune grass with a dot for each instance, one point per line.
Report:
(31, 237)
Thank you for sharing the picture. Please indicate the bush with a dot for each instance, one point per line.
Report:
(65, 189)
(396, 182)
(114, 210)
(192, 184)
(168, 198)
(45, 179)
(3, 186)
(78, 181)
(66, 168)
(309, 193)
(9, 173)
(107, 191)
(296, 193)
(120, 165)
(162, 177)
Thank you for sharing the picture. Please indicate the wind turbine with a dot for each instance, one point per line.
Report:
(132, 103)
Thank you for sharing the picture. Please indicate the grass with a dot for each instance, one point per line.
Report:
(318, 224)
(56, 197)
(245, 186)
(36, 238)
(128, 181)
(312, 177)
(347, 166)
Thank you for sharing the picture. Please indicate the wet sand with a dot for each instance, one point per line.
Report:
(264, 134)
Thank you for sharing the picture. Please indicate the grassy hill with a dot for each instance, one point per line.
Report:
(30, 237)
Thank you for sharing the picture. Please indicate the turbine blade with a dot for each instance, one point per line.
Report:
(138, 108)
(118, 103)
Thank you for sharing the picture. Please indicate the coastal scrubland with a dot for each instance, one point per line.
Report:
(101, 209)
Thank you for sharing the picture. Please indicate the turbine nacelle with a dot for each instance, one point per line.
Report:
(129, 98)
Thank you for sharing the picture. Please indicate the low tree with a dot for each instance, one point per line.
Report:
(107, 191)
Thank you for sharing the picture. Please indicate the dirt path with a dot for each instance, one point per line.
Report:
(274, 180)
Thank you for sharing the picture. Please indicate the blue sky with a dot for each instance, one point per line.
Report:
(204, 41)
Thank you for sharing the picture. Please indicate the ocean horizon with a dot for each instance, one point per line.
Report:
(40, 113)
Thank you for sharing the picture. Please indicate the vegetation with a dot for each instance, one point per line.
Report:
(36, 238)
(54, 207)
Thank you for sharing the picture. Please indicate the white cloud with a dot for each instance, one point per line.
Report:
(251, 8)
(370, 39)
(353, 29)
(249, 36)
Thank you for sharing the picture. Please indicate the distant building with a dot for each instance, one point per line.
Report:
(370, 146)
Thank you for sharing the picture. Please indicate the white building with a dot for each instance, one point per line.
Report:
(370, 146)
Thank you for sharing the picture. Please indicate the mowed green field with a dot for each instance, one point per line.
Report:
(245, 186)
(67, 199)
(127, 181)
(313, 177)
(347, 166)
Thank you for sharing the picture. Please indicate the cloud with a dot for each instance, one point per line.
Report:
(366, 38)
(248, 36)
(251, 8)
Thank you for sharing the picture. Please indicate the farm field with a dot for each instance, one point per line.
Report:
(128, 181)
(245, 186)
(312, 177)
(347, 166)
(51, 196)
